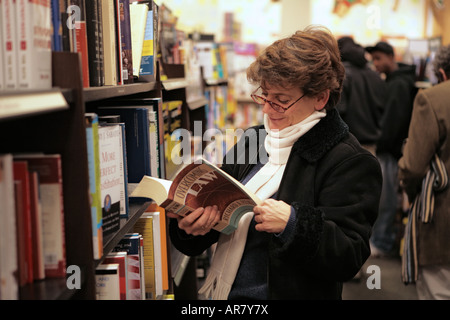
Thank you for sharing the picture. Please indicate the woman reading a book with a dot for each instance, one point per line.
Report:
(320, 187)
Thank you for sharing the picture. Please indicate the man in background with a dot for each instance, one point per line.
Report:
(400, 81)
(363, 95)
(429, 134)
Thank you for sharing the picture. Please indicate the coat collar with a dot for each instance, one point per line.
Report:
(322, 137)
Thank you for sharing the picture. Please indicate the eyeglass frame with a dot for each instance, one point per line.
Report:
(271, 103)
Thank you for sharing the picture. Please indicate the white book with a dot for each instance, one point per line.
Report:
(9, 44)
(107, 282)
(138, 20)
(34, 32)
(9, 286)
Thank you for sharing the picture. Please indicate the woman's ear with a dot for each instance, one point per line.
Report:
(322, 100)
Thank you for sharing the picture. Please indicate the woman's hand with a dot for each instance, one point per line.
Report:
(199, 222)
(272, 216)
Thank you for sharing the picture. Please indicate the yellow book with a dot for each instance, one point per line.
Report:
(144, 226)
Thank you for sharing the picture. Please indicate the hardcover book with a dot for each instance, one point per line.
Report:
(107, 281)
(200, 184)
(9, 44)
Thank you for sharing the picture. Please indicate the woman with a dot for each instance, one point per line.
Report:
(321, 188)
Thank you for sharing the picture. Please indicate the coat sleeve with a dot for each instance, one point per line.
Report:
(331, 238)
(421, 145)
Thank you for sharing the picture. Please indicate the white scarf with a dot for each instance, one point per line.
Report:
(264, 184)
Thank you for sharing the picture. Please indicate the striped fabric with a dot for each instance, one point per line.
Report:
(422, 210)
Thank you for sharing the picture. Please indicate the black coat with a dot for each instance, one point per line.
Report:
(335, 186)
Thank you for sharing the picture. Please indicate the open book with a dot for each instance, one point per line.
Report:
(200, 185)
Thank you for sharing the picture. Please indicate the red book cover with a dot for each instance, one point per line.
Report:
(24, 223)
(121, 259)
(49, 168)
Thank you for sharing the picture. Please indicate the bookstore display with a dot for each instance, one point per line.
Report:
(93, 93)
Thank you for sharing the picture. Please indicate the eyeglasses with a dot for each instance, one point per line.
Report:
(275, 106)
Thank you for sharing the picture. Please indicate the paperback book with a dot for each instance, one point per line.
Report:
(200, 184)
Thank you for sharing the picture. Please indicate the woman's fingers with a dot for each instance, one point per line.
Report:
(200, 221)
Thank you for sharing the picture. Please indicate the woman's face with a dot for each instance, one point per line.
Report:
(299, 111)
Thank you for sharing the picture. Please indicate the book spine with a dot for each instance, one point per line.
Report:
(2, 72)
(93, 40)
(101, 44)
(80, 44)
(144, 226)
(126, 44)
(9, 44)
(117, 12)
(125, 208)
(34, 50)
(109, 43)
(66, 33)
(147, 69)
(56, 26)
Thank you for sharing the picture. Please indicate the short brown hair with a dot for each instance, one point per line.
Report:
(309, 59)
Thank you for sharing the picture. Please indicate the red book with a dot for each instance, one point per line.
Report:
(81, 45)
(24, 240)
(121, 259)
(49, 168)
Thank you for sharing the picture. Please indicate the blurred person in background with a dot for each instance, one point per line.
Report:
(400, 81)
(429, 135)
(320, 188)
(363, 95)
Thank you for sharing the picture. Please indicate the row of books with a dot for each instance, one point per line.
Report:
(32, 234)
(125, 142)
(116, 41)
(137, 268)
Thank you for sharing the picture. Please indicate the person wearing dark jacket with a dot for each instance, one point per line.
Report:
(320, 189)
(363, 95)
(401, 90)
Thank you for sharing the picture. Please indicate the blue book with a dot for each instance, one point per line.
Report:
(137, 139)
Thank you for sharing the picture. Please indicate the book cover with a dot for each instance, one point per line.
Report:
(24, 228)
(201, 184)
(137, 139)
(144, 226)
(109, 43)
(110, 179)
(8, 231)
(49, 167)
(121, 259)
(107, 282)
(95, 43)
(93, 153)
(131, 245)
(36, 227)
(125, 41)
(81, 42)
(34, 31)
(9, 44)
(138, 22)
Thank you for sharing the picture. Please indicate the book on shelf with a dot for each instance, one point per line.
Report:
(34, 32)
(79, 38)
(153, 207)
(131, 244)
(57, 30)
(93, 154)
(125, 44)
(109, 43)
(172, 118)
(49, 168)
(157, 250)
(121, 259)
(36, 227)
(137, 139)
(144, 226)
(115, 121)
(94, 35)
(138, 21)
(111, 181)
(200, 184)
(8, 231)
(156, 129)
(107, 281)
(24, 229)
(10, 44)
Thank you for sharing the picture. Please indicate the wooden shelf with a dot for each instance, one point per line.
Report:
(17, 104)
(107, 92)
(137, 208)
